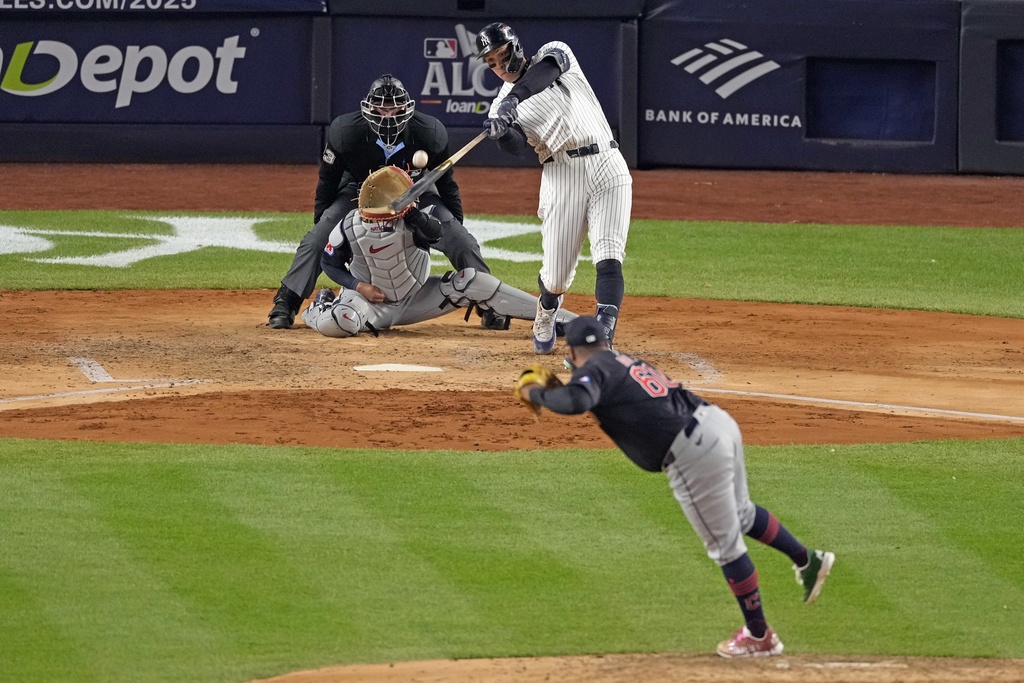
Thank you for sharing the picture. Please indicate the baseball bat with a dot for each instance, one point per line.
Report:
(424, 183)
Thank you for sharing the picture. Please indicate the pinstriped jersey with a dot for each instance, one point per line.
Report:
(390, 261)
(565, 115)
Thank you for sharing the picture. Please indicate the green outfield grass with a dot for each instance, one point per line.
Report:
(144, 563)
(134, 562)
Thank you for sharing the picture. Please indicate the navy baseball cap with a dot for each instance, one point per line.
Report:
(584, 331)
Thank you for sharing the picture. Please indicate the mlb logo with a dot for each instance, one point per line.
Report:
(440, 48)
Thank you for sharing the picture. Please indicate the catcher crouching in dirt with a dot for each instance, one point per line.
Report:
(661, 426)
(381, 261)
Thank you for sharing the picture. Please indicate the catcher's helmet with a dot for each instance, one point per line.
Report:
(387, 108)
(380, 188)
(497, 35)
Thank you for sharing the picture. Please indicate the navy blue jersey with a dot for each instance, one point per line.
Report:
(637, 405)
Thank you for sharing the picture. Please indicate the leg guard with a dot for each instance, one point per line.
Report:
(468, 287)
(344, 317)
(608, 316)
(609, 291)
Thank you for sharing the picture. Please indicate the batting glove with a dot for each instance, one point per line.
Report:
(506, 115)
(507, 109)
(495, 128)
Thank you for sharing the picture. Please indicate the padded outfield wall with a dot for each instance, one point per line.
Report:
(992, 87)
(916, 86)
(801, 84)
(430, 46)
(161, 80)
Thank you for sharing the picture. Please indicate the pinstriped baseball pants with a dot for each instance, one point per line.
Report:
(584, 197)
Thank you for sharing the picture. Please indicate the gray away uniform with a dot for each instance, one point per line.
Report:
(398, 264)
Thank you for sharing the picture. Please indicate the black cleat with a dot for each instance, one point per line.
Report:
(286, 305)
(490, 320)
(281, 319)
(324, 296)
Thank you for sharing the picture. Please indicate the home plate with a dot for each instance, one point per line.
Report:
(395, 367)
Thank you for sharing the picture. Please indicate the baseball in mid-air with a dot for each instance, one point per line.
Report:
(419, 159)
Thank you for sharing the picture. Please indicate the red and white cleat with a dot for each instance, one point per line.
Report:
(742, 644)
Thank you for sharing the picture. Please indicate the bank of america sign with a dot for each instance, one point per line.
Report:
(725, 65)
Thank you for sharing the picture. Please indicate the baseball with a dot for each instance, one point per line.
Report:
(419, 159)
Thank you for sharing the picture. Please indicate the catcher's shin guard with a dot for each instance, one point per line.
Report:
(515, 303)
(469, 286)
(561, 318)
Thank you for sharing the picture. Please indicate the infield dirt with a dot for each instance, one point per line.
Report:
(788, 373)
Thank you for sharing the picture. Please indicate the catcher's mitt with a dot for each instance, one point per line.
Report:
(535, 374)
(380, 188)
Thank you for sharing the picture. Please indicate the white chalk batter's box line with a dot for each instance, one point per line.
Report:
(95, 372)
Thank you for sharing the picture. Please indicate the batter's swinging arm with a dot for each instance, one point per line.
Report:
(428, 179)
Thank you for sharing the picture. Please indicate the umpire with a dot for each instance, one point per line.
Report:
(661, 426)
(386, 131)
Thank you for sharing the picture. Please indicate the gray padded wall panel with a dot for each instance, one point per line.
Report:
(984, 24)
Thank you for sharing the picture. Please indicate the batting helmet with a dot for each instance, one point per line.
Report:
(388, 108)
(497, 35)
(380, 188)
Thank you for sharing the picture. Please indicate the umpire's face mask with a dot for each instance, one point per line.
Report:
(388, 118)
(390, 125)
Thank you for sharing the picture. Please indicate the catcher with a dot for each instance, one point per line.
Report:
(659, 425)
(381, 261)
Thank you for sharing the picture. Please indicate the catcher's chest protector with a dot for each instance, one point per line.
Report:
(390, 261)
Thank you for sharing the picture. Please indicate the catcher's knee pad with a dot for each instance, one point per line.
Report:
(468, 286)
(343, 317)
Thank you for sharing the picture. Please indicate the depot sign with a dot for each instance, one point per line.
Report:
(128, 70)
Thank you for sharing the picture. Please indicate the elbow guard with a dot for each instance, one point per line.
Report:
(556, 55)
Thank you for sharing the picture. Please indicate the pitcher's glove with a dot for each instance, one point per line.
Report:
(535, 374)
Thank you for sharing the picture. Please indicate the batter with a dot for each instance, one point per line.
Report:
(586, 190)
(661, 426)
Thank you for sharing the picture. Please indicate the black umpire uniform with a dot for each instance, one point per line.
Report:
(359, 143)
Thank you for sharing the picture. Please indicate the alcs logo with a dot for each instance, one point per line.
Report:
(108, 68)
